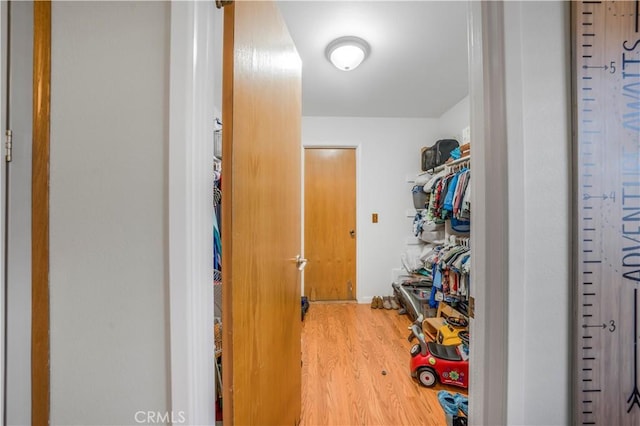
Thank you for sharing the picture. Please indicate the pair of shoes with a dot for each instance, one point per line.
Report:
(376, 302)
(386, 302)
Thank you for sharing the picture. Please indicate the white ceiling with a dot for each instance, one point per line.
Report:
(418, 61)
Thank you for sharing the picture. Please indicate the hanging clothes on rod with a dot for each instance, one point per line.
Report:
(450, 265)
(448, 192)
(448, 202)
(217, 200)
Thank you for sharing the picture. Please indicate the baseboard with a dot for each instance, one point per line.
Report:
(333, 302)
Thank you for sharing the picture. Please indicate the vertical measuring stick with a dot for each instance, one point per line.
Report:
(606, 103)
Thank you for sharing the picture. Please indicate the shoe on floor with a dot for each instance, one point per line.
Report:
(394, 303)
(378, 302)
(463, 403)
(448, 403)
(386, 302)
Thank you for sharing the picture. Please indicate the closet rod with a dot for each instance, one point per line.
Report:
(453, 163)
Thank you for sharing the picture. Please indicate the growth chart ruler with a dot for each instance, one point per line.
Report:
(606, 104)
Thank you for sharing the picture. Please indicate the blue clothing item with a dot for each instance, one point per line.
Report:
(456, 153)
(217, 244)
(437, 278)
(451, 191)
(433, 303)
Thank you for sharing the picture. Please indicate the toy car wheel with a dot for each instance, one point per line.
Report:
(415, 350)
(427, 377)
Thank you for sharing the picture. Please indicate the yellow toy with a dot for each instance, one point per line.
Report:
(448, 333)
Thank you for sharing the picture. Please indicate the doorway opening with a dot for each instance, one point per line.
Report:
(478, 124)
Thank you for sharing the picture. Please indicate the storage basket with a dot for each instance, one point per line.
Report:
(420, 198)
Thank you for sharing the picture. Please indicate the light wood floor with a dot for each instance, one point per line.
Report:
(345, 349)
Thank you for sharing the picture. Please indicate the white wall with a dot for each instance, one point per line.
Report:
(19, 233)
(389, 153)
(538, 127)
(108, 200)
(217, 41)
(451, 123)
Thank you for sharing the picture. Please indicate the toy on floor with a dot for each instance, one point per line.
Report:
(432, 363)
(448, 334)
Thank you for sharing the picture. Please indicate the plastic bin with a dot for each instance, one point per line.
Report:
(420, 198)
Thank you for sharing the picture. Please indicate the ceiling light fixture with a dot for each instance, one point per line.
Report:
(346, 53)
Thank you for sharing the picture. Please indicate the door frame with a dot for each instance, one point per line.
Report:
(3, 106)
(488, 388)
(358, 149)
(190, 201)
(488, 403)
(40, 326)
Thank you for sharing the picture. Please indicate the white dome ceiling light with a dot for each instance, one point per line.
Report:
(346, 53)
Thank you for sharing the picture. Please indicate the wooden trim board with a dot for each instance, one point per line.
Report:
(40, 403)
(227, 212)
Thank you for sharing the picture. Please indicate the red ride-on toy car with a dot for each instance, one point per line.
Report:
(432, 362)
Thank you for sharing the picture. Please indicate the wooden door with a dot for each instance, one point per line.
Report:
(330, 223)
(261, 227)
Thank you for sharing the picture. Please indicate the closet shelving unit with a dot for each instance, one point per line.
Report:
(452, 299)
(412, 292)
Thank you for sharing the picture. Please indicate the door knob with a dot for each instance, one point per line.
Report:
(301, 262)
(352, 233)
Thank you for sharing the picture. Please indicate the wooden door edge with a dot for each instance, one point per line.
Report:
(226, 231)
(40, 374)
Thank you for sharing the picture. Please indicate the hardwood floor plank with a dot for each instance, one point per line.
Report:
(345, 349)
